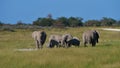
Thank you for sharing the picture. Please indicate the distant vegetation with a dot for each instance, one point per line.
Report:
(75, 22)
(61, 22)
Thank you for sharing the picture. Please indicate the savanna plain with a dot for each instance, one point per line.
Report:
(106, 54)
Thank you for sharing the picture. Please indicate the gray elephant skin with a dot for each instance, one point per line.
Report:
(65, 39)
(90, 37)
(54, 40)
(53, 43)
(40, 38)
(59, 40)
(75, 41)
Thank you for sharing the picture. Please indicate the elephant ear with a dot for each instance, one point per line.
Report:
(96, 36)
(43, 37)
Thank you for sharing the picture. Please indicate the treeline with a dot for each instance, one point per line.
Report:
(63, 22)
(75, 22)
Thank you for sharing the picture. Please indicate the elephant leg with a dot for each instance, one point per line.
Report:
(69, 45)
(97, 41)
(37, 44)
(78, 45)
(51, 45)
(63, 44)
(85, 44)
(66, 45)
(93, 44)
(40, 45)
(58, 45)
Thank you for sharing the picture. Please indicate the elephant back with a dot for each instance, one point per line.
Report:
(58, 38)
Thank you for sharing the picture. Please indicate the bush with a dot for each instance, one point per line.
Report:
(7, 28)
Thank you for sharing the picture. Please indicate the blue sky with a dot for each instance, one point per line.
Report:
(28, 11)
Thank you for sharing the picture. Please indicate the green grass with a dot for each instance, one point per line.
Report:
(106, 54)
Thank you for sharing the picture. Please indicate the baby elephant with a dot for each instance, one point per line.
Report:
(40, 38)
(75, 41)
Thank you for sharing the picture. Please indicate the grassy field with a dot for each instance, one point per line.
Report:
(106, 54)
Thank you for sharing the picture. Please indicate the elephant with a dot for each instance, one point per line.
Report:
(90, 37)
(65, 39)
(40, 38)
(54, 40)
(74, 41)
(52, 43)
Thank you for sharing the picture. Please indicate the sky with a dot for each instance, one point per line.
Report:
(27, 11)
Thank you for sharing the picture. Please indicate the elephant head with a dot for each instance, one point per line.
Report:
(74, 41)
(65, 39)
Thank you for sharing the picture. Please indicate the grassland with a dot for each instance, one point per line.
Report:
(106, 54)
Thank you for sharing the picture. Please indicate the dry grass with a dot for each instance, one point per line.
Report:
(104, 55)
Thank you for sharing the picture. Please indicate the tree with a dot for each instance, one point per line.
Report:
(107, 21)
(118, 23)
(20, 23)
(48, 21)
(43, 22)
(92, 23)
(75, 21)
(63, 20)
(37, 22)
(80, 21)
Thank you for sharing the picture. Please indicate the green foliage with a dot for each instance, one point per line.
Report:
(92, 23)
(107, 21)
(63, 20)
(103, 22)
(7, 28)
(66, 22)
(20, 23)
(74, 22)
(43, 22)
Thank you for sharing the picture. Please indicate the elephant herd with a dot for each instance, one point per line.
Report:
(65, 40)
